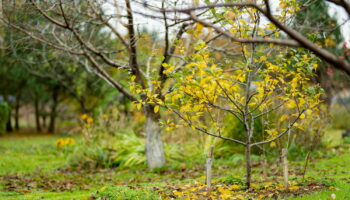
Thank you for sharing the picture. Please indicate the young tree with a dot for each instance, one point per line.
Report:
(206, 91)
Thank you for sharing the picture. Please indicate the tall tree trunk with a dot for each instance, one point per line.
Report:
(9, 127)
(9, 121)
(44, 117)
(154, 144)
(53, 112)
(17, 106)
(83, 108)
(37, 115)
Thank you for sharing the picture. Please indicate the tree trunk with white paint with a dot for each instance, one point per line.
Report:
(208, 167)
(248, 165)
(285, 168)
(154, 144)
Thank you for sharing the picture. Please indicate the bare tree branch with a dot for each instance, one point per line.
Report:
(298, 38)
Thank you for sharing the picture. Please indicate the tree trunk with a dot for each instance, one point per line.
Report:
(285, 168)
(17, 106)
(249, 134)
(154, 144)
(9, 121)
(44, 117)
(53, 112)
(208, 167)
(82, 105)
(264, 165)
(37, 115)
(17, 117)
(248, 165)
(9, 127)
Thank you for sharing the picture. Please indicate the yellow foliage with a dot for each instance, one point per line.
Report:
(60, 142)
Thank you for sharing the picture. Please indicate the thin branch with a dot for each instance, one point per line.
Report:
(103, 74)
(235, 113)
(284, 42)
(282, 133)
(268, 111)
(207, 132)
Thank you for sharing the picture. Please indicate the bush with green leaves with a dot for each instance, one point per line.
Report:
(109, 142)
(124, 193)
(233, 129)
(340, 117)
(124, 150)
(4, 115)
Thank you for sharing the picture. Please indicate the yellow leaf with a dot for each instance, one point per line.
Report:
(290, 104)
(199, 26)
(103, 189)
(84, 116)
(156, 109)
(171, 68)
(294, 188)
(283, 117)
(89, 120)
(302, 116)
(234, 187)
(262, 58)
(273, 144)
(309, 111)
(178, 193)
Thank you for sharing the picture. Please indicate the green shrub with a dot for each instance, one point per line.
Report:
(232, 180)
(340, 117)
(346, 140)
(123, 193)
(235, 129)
(124, 150)
(4, 115)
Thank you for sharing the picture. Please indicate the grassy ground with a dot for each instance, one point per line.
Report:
(31, 168)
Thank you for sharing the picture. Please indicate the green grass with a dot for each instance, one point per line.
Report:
(124, 193)
(25, 154)
(337, 168)
(39, 195)
(36, 157)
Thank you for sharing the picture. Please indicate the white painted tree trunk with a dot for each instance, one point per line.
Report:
(154, 145)
(285, 167)
(208, 166)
